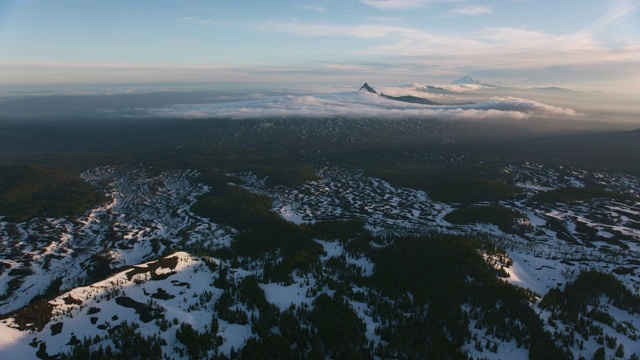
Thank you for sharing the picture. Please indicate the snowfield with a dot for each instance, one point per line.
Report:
(142, 208)
(187, 281)
(149, 213)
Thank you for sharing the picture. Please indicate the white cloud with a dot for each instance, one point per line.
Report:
(349, 67)
(319, 30)
(468, 10)
(314, 8)
(178, 41)
(621, 10)
(395, 4)
(579, 58)
(359, 105)
(384, 19)
(199, 21)
(489, 48)
(53, 65)
(507, 48)
(400, 4)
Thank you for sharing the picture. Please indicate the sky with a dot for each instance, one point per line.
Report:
(579, 44)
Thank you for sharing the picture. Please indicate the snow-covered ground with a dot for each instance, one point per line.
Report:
(339, 194)
(545, 257)
(94, 311)
(142, 208)
(540, 256)
(147, 210)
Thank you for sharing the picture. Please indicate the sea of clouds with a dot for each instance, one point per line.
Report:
(358, 105)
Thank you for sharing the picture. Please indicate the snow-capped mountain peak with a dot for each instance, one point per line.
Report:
(465, 80)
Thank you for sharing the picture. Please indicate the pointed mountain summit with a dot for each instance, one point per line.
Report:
(465, 80)
(368, 88)
(405, 98)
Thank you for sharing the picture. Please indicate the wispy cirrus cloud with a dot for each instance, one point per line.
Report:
(509, 48)
(621, 10)
(314, 8)
(178, 40)
(468, 10)
(57, 65)
(488, 48)
(319, 30)
(399, 4)
(199, 21)
(384, 19)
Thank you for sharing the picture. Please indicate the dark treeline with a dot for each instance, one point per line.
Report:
(508, 220)
(30, 191)
(435, 279)
(569, 194)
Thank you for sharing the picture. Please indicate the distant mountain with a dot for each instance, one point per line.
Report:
(405, 98)
(410, 99)
(428, 88)
(553, 88)
(465, 80)
(368, 88)
(468, 80)
(431, 87)
(437, 90)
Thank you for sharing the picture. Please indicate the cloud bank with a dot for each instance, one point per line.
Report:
(468, 10)
(395, 4)
(359, 105)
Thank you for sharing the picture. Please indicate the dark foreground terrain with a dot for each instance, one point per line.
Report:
(319, 238)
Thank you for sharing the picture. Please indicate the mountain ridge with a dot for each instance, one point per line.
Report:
(404, 98)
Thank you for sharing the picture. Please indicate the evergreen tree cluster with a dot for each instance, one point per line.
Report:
(507, 220)
(32, 190)
(127, 341)
(444, 283)
(586, 290)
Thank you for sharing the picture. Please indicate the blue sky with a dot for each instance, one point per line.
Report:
(585, 44)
